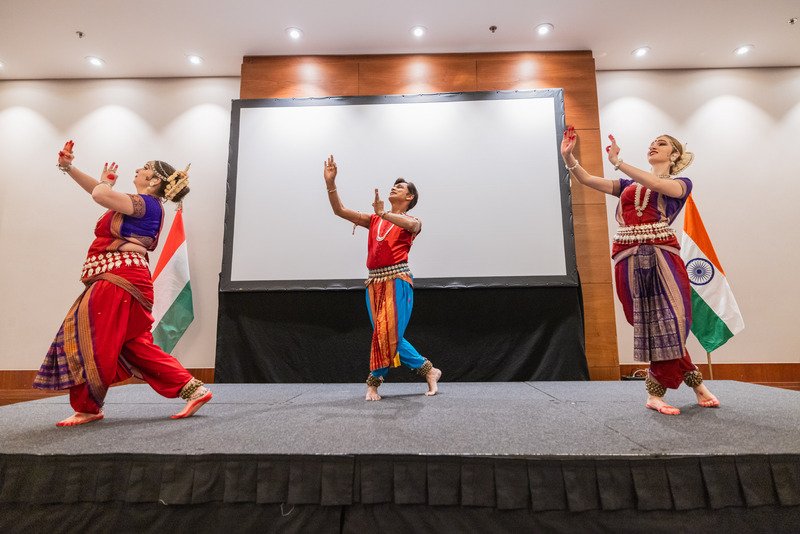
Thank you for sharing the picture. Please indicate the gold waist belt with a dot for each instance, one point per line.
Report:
(389, 272)
(103, 263)
(642, 233)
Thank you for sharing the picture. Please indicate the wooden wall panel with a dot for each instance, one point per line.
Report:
(388, 75)
(591, 239)
(572, 71)
(589, 153)
(277, 77)
(294, 77)
(599, 318)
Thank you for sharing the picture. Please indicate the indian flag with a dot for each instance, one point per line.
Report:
(172, 307)
(715, 315)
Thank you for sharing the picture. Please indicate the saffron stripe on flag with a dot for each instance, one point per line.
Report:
(693, 227)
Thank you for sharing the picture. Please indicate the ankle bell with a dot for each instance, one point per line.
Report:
(190, 388)
(654, 388)
(693, 378)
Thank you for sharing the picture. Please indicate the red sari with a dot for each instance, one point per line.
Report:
(105, 337)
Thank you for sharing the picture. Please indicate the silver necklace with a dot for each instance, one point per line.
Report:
(380, 237)
(640, 207)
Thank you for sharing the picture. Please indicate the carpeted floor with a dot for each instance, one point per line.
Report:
(531, 419)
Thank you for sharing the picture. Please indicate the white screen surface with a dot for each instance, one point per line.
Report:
(487, 171)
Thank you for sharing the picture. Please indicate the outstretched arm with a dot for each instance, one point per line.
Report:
(355, 217)
(671, 188)
(595, 182)
(99, 189)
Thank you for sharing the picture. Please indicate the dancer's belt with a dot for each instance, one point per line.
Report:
(107, 262)
(643, 233)
(387, 273)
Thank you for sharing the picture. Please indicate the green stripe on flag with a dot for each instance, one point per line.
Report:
(174, 323)
(708, 328)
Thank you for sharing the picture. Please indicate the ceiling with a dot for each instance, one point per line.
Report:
(152, 38)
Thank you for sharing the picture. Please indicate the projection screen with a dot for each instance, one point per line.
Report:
(494, 197)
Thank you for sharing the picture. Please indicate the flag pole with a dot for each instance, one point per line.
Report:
(710, 371)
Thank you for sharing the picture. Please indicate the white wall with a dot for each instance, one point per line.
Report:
(46, 220)
(744, 127)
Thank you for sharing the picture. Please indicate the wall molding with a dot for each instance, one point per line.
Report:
(781, 375)
(23, 379)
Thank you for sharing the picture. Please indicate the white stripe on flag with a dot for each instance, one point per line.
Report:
(171, 281)
(716, 292)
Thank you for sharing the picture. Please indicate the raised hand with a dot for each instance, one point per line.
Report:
(612, 150)
(109, 173)
(568, 142)
(377, 205)
(65, 155)
(329, 171)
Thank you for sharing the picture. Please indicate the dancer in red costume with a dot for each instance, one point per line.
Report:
(390, 286)
(652, 283)
(105, 337)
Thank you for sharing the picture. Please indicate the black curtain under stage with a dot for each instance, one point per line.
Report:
(358, 494)
(473, 335)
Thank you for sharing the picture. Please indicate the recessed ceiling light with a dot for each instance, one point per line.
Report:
(544, 29)
(418, 31)
(95, 61)
(641, 51)
(194, 60)
(2, 65)
(744, 49)
(294, 33)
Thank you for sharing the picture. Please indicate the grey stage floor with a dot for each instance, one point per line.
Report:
(530, 419)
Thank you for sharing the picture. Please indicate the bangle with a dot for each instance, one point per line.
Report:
(570, 169)
(103, 182)
(332, 190)
(619, 162)
(382, 215)
(64, 168)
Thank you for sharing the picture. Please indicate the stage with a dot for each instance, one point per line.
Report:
(556, 456)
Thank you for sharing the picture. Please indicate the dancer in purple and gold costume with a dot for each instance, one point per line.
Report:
(105, 337)
(390, 291)
(652, 283)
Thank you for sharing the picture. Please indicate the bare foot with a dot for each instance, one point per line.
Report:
(201, 396)
(432, 378)
(80, 418)
(372, 394)
(658, 404)
(705, 398)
